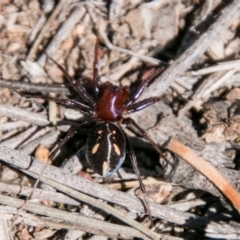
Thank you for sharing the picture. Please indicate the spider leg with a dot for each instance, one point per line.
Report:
(142, 104)
(152, 74)
(95, 68)
(130, 121)
(69, 135)
(67, 103)
(132, 156)
(78, 88)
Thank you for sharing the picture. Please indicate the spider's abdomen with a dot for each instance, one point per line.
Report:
(111, 102)
(106, 148)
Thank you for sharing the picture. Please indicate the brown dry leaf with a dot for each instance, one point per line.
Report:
(42, 153)
(232, 132)
(85, 175)
(8, 174)
(223, 131)
(24, 235)
(233, 94)
(232, 47)
(215, 134)
(5, 96)
(223, 121)
(67, 44)
(217, 50)
(155, 192)
(44, 234)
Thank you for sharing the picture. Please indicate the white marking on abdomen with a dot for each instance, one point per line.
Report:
(109, 144)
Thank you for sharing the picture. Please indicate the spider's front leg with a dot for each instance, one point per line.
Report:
(67, 103)
(142, 104)
(151, 75)
(130, 121)
(78, 88)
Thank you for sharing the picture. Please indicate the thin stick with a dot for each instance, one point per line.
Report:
(126, 51)
(24, 115)
(38, 193)
(101, 205)
(207, 170)
(135, 183)
(33, 88)
(23, 161)
(106, 228)
(235, 64)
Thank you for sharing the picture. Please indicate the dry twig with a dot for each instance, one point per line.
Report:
(85, 223)
(22, 162)
(33, 88)
(24, 115)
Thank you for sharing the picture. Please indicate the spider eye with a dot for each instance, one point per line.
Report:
(114, 89)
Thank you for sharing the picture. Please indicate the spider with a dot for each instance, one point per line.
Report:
(107, 144)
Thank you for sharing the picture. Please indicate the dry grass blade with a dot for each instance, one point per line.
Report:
(207, 170)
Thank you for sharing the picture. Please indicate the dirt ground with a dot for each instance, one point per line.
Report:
(188, 51)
